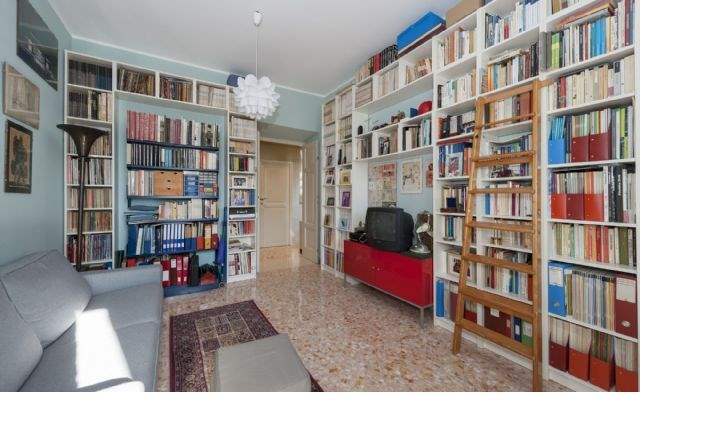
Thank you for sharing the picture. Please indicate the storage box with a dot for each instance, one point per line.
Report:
(578, 364)
(599, 147)
(558, 206)
(626, 381)
(579, 149)
(593, 207)
(461, 10)
(557, 151)
(558, 356)
(168, 183)
(574, 206)
(419, 31)
(601, 373)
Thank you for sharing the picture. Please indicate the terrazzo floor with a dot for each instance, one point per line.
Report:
(353, 338)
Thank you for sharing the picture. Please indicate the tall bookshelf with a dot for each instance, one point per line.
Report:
(179, 94)
(486, 59)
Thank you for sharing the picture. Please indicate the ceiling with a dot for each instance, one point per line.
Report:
(310, 45)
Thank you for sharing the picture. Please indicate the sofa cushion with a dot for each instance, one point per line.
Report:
(94, 356)
(20, 348)
(126, 307)
(47, 292)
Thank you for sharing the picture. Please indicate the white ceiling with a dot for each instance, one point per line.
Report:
(310, 45)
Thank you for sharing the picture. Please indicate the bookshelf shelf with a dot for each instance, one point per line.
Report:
(454, 109)
(597, 265)
(594, 222)
(586, 164)
(507, 247)
(594, 327)
(87, 88)
(88, 121)
(601, 103)
(553, 20)
(509, 87)
(454, 139)
(173, 145)
(598, 60)
(170, 103)
(520, 40)
(164, 168)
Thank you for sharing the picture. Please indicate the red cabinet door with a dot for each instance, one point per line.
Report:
(401, 276)
(357, 260)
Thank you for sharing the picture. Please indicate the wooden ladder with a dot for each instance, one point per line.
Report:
(526, 311)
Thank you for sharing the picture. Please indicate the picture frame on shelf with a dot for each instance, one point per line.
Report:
(330, 201)
(21, 98)
(344, 223)
(345, 176)
(327, 220)
(329, 178)
(18, 158)
(345, 199)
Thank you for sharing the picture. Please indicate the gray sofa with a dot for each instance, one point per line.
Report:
(65, 331)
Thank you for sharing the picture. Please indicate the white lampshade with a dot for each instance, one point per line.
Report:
(255, 97)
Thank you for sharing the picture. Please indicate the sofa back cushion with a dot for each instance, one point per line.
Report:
(47, 293)
(20, 349)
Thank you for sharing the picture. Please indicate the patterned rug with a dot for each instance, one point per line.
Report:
(194, 337)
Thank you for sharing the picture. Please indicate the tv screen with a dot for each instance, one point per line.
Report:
(389, 229)
(383, 225)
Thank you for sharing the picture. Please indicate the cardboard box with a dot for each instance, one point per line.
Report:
(461, 10)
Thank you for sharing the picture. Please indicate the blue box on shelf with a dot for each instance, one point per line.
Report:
(557, 287)
(417, 30)
(557, 151)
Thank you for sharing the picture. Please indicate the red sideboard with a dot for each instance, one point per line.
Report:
(402, 276)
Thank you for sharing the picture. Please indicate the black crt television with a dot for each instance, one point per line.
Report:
(389, 229)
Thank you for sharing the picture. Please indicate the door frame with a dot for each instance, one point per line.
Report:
(289, 166)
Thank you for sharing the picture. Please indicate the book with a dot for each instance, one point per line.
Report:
(524, 16)
(456, 45)
(457, 90)
(176, 89)
(511, 68)
(92, 105)
(90, 75)
(135, 81)
(208, 95)
(593, 84)
(505, 280)
(150, 127)
(595, 243)
(150, 155)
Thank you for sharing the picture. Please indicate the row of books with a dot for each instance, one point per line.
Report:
(416, 136)
(345, 103)
(453, 228)
(329, 156)
(241, 228)
(95, 247)
(422, 67)
(163, 129)
(339, 260)
(150, 155)
(447, 301)
(456, 45)
(101, 147)
(188, 209)
(377, 62)
(516, 145)
(176, 89)
(211, 96)
(457, 90)
(605, 195)
(329, 257)
(363, 94)
(241, 147)
(241, 164)
(595, 243)
(92, 221)
(454, 160)
(160, 183)
(387, 82)
(596, 31)
(558, 5)
(524, 16)
(345, 128)
(90, 75)
(508, 205)
(98, 171)
(328, 237)
(453, 198)
(155, 239)
(243, 197)
(92, 105)
(517, 105)
(136, 81)
(365, 148)
(598, 297)
(328, 113)
(329, 134)
(505, 280)
(593, 84)
(601, 359)
(94, 198)
(509, 239)
(453, 125)
(241, 263)
(243, 128)
(511, 68)
(241, 243)
(606, 134)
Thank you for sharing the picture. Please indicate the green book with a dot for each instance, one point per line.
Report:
(527, 333)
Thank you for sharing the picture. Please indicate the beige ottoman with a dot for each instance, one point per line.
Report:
(268, 364)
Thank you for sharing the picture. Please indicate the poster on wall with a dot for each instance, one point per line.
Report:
(411, 176)
(429, 174)
(18, 158)
(37, 46)
(21, 98)
(382, 185)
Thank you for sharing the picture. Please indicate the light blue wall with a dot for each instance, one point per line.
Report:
(33, 222)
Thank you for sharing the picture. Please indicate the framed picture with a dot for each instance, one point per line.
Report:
(37, 46)
(21, 98)
(345, 199)
(411, 176)
(330, 178)
(453, 267)
(327, 220)
(344, 177)
(18, 158)
(454, 166)
(330, 201)
(344, 223)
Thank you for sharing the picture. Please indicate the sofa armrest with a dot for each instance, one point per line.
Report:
(103, 281)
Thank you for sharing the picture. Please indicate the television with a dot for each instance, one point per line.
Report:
(389, 229)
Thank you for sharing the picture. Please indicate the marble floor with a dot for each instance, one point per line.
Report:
(353, 338)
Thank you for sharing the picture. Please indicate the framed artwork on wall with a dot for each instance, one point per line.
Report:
(37, 46)
(411, 176)
(21, 98)
(18, 158)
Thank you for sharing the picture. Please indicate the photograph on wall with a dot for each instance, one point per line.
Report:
(37, 46)
(18, 158)
(411, 176)
(429, 174)
(21, 98)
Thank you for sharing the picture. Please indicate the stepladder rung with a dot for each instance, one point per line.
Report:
(505, 159)
(502, 263)
(511, 120)
(519, 190)
(516, 228)
(507, 305)
(499, 339)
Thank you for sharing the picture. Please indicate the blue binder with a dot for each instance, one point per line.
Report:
(440, 292)
(557, 272)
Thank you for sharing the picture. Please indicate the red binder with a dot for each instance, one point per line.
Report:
(173, 271)
(578, 364)
(558, 356)
(215, 241)
(626, 381)
(626, 306)
(599, 147)
(558, 206)
(184, 270)
(593, 207)
(579, 149)
(601, 373)
(471, 316)
(166, 272)
(574, 206)
(497, 321)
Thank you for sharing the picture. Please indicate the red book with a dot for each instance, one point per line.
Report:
(558, 356)
(579, 149)
(626, 306)
(497, 321)
(626, 381)
(578, 364)
(601, 373)
(593, 207)
(173, 271)
(166, 272)
(574, 206)
(558, 206)
(185, 270)
(599, 147)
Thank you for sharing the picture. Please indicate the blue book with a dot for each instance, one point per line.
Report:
(132, 240)
(557, 295)
(440, 292)
(517, 329)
